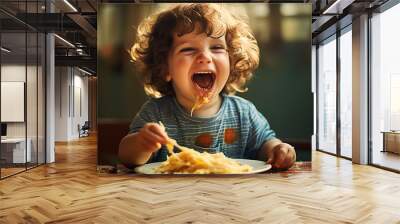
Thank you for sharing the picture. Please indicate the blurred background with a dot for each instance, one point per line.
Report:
(280, 88)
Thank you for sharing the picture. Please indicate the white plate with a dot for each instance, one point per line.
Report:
(258, 167)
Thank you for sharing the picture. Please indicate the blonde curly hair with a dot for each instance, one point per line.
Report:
(155, 39)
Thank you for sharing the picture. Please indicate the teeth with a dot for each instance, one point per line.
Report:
(203, 72)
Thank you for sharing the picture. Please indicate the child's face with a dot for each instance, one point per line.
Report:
(198, 65)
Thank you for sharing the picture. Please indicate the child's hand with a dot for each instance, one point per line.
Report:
(151, 136)
(282, 156)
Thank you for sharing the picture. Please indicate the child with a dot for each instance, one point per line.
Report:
(193, 58)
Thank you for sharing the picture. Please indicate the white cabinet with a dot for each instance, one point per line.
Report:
(13, 150)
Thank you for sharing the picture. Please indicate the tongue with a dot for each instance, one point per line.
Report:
(203, 80)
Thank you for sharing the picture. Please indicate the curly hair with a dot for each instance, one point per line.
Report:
(155, 39)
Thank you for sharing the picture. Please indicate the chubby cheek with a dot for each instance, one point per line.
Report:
(181, 85)
(226, 66)
(221, 84)
(178, 71)
(181, 82)
(223, 78)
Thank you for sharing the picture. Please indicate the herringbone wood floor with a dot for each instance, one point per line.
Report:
(71, 191)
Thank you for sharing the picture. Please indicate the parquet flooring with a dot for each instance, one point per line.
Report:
(9, 171)
(386, 159)
(71, 191)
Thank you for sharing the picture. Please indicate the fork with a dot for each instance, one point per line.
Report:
(172, 142)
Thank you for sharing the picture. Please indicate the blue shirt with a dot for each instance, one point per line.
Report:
(238, 129)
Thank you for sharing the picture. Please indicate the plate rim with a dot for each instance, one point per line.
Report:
(261, 170)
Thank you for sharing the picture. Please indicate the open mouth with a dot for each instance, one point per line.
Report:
(204, 80)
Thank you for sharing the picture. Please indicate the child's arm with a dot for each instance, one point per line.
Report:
(136, 148)
(277, 153)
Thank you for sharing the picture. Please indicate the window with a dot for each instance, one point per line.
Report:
(346, 93)
(385, 87)
(327, 96)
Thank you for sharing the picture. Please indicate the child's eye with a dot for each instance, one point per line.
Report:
(218, 48)
(187, 50)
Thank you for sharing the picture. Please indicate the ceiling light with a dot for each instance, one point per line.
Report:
(64, 40)
(337, 7)
(331, 7)
(70, 5)
(84, 71)
(5, 50)
(79, 51)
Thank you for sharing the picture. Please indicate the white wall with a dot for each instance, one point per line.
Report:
(13, 73)
(71, 93)
(81, 104)
(62, 80)
(16, 73)
(33, 126)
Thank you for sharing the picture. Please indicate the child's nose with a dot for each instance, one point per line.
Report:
(204, 57)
